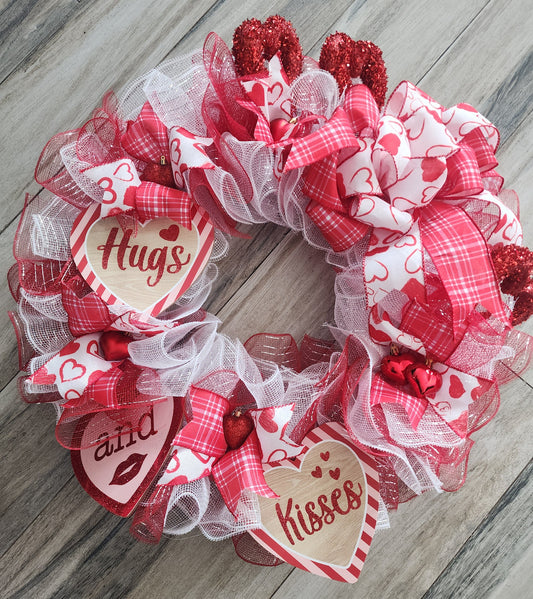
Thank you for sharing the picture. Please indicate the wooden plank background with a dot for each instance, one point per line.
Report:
(57, 59)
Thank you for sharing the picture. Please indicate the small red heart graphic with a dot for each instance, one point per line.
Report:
(335, 473)
(170, 234)
(266, 420)
(257, 94)
(41, 377)
(71, 348)
(381, 272)
(317, 472)
(92, 349)
(274, 92)
(325, 455)
(391, 143)
(71, 371)
(124, 172)
(456, 387)
(73, 398)
(432, 168)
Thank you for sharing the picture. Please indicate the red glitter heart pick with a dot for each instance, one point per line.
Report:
(237, 427)
(254, 42)
(423, 379)
(346, 59)
(114, 345)
(393, 368)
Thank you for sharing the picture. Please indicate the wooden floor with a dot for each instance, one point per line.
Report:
(57, 59)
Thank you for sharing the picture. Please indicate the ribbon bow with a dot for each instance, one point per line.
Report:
(123, 191)
(93, 371)
(202, 449)
(149, 140)
(405, 186)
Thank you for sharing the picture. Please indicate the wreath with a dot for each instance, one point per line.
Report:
(171, 421)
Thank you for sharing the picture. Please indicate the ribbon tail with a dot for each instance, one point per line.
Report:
(239, 470)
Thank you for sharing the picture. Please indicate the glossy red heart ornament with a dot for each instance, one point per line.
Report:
(114, 345)
(393, 368)
(279, 127)
(159, 173)
(236, 428)
(422, 379)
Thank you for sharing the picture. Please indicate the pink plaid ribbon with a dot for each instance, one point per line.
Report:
(87, 312)
(123, 192)
(335, 135)
(155, 201)
(79, 370)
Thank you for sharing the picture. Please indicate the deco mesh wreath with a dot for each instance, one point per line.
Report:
(169, 419)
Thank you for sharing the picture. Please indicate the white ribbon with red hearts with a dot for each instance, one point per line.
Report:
(75, 367)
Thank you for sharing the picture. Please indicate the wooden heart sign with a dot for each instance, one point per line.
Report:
(326, 514)
(118, 470)
(146, 271)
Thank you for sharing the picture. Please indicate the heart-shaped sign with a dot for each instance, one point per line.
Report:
(146, 271)
(118, 470)
(325, 517)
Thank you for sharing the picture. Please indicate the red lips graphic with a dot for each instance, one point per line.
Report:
(128, 469)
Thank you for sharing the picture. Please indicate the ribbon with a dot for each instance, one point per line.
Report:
(125, 192)
(202, 449)
(418, 179)
(93, 371)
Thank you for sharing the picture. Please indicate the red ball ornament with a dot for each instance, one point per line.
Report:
(237, 426)
(393, 367)
(422, 379)
(114, 345)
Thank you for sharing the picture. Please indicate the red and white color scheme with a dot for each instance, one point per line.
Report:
(203, 447)
(75, 367)
(325, 516)
(404, 199)
(187, 151)
(147, 271)
(118, 470)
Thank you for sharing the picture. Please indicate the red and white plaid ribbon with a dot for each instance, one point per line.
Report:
(125, 192)
(201, 448)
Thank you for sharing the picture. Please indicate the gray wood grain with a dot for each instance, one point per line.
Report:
(25, 25)
(501, 540)
(55, 541)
